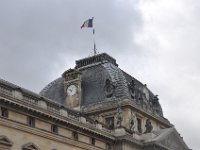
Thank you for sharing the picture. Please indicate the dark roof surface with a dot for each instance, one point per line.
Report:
(55, 91)
(95, 71)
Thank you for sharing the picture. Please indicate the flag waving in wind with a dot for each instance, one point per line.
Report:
(87, 24)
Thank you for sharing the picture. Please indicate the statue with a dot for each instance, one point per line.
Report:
(148, 126)
(132, 88)
(155, 100)
(118, 118)
(133, 123)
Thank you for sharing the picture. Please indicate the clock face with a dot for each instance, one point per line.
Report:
(71, 90)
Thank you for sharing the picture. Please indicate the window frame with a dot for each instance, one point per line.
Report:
(31, 121)
(54, 128)
(75, 135)
(3, 112)
(93, 141)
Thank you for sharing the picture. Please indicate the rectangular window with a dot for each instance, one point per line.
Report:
(93, 141)
(4, 112)
(108, 146)
(139, 125)
(75, 135)
(54, 128)
(31, 121)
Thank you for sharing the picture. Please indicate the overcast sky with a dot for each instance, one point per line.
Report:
(156, 41)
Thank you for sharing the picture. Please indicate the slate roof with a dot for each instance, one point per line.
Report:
(13, 86)
(95, 71)
(55, 91)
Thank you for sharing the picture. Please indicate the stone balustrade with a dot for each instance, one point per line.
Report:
(43, 103)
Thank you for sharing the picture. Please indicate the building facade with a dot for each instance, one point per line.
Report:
(94, 106)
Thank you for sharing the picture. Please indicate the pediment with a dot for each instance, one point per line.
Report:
(30, 146)
(172, 140)
(5, 141)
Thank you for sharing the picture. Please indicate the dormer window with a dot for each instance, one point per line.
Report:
(110, 122)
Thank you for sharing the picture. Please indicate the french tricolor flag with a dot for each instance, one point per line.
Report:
(87, 24)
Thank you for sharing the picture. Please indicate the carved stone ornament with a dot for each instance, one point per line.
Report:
(30, 146)
(118, 118)
(71, 74)
(132, 88)
(148, 126)
(133, 122)
(5, 141)
(109, 88)
(155, 100)
(145, 92)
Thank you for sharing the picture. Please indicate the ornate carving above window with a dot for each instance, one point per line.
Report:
(109, 88)
(5, 143)
(30, 146)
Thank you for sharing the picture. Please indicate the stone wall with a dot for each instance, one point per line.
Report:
(21, 134)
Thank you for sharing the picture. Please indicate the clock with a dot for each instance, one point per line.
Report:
(71, 90)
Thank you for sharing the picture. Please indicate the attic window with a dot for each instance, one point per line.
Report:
(93, 141)
(108, 146)
(4, 112)
(31, 121)
(75, 135)
(54, 128)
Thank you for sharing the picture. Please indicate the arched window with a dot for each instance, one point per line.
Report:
(5, 143)
(30, 146)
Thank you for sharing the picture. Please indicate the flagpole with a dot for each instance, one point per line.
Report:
(95, 52)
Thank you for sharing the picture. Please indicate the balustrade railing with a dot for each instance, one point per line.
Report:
(52, 107)
(5, 91)
(30, 100)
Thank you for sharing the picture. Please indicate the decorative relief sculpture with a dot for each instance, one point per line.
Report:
(132, 89)
(30, 146)
(109, 88)
(110, 122)
(148, 126)
(118, 118)
(145, 92)
(155, 105)
(155, 100)
(133, 123)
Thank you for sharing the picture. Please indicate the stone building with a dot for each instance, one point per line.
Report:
(94, 106)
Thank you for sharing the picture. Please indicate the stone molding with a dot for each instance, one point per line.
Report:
(47, 135)
(112, 104)
(72, 121)
(5, 141)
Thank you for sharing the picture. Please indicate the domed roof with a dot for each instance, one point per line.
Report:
(103, 80)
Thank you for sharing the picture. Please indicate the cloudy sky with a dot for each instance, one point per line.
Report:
(156, 41)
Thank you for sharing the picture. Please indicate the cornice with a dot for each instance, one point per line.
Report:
(46, 134)
(70, 120)
(113, 104)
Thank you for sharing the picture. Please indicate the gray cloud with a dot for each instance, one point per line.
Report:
(155, 41)
(39, 37)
